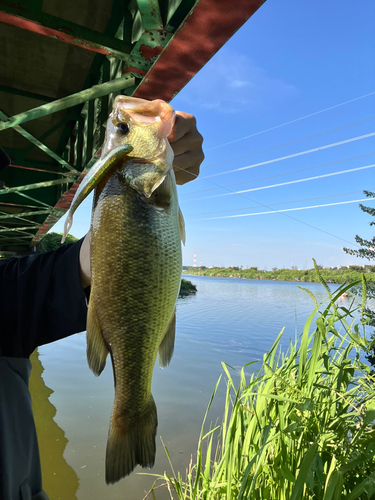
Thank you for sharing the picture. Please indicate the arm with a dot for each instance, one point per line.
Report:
(186, 143)
(42, 300)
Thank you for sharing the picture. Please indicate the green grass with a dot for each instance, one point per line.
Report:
(342, 275)
(301, 427)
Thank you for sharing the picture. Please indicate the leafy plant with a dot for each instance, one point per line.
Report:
(187, 287)
(367, 251)
(52, 241)
(301, 427)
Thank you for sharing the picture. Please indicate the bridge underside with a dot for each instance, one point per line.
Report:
(62, 64)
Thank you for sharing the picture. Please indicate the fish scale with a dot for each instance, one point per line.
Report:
(141, 288)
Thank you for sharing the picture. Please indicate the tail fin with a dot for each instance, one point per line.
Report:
(131, 442)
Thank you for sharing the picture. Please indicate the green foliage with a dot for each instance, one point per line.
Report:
(342, 275)
(52, 241)
(300, 428)
(368, 246)
(368, 252)
(187, 287)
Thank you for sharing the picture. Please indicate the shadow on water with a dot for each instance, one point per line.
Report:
(60, 482)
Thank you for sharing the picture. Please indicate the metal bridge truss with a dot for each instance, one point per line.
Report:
(145, 48)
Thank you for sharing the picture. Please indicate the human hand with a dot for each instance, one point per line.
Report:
(186, 143)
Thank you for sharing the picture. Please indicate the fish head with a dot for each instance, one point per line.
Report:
(145, 126)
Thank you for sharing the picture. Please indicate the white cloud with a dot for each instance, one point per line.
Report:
(231, 82)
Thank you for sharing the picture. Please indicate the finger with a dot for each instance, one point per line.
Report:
(189, 172)
(184, 123)
(189, 142)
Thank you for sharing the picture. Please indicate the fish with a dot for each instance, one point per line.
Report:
(136, 264)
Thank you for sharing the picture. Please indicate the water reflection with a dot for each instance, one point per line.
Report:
(230, 320)
(60, 481)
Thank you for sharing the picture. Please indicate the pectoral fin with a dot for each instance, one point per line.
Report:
(167, 345)
(97, 351)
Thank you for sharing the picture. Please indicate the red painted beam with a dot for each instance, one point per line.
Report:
(38, 28)
(205, 31)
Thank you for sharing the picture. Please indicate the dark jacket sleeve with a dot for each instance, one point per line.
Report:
(41, 300)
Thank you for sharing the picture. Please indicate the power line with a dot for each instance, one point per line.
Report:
(285, 215)
(301, 153)
(278, 175)
(291, 121)
(291, 210)
(289, 143)
(281, 213)
(284, 183)
(272, 204)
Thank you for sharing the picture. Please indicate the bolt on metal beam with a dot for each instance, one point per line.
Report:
(69, 101)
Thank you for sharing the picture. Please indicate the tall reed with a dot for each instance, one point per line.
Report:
(301, 427)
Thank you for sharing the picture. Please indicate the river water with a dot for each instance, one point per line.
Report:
(229, 320)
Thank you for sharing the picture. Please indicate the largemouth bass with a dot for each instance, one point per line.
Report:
(136, 271)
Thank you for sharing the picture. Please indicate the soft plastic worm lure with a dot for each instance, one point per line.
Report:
(92, 179)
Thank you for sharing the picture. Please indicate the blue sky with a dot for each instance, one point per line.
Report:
(292, 59)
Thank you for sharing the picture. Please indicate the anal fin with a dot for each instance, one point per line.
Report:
(167, 345)
(97, 351)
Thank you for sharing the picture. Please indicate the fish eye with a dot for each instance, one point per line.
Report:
(123, 128)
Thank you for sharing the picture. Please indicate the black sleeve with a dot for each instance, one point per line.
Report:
(41, 300)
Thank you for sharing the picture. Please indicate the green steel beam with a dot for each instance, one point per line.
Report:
(120, 12)
(2, 204)
(32, 18)
(90, 130)
(150, 12)
(25, 214)
(16, 220)
(69, 101)
(20, 229)
(24, 93)
(39, 144)
(79, 147)
(12, 239)
(42, 170)
(17, 156)
(61, 123)
(36, 185)
(35, 200)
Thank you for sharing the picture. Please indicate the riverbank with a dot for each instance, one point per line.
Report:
(337, 275)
